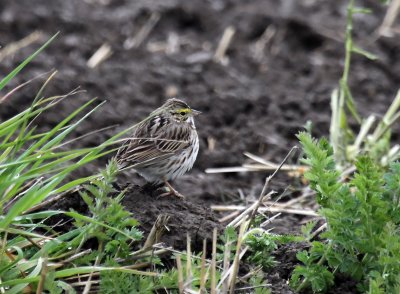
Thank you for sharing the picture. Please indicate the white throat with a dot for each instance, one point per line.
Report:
(190, 121)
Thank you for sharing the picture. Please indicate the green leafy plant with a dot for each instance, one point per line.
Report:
(124, 282)
(356, 191)
(261, 248)
(347, 146)
(262, 245)
(316, 274)
(363, 217)
(106, 210)
(34, 168)
(259, 285)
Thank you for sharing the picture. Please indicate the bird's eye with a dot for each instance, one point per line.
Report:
(182, 113)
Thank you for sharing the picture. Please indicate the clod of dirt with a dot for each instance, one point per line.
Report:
(186, 217)
(279, 275)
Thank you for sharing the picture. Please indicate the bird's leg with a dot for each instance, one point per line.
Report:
(172, 191)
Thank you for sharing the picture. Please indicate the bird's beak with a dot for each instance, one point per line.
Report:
(195, 112)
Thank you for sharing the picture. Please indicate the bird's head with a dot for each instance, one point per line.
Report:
(180, 111)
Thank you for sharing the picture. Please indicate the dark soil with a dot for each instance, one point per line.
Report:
(186, 217)
(257, 102)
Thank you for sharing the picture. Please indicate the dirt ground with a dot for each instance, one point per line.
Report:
(284, 60)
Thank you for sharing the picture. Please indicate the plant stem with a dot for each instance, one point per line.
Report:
(339, 126)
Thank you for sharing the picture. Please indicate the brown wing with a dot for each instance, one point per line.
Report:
(155, 142)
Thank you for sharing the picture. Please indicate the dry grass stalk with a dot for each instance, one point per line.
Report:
(149, 253)
(100, 55)
(88, 285)
(39, 241)
(223, 45)
(144, 32)
(262, 42)
(214, 263)
(251, 273)
(170, 249)
(156, 231)
(43, 274)
(188, 283)
(260, 165)
(233, 169)
(76, 256)
(229, 216)
(300, 169)
(79, 138)
(260, 160)
(270, 220)
(263, 195)
(276, 204)
(306, 194)
(391, 14)
(203, 276)
(2, 289)
(211, 142)
(243, 216)
(172, 43)
(318, 231)
(20, 86)
(55, 99)
(23, 189)
(24, 42)
(83, 283)
(228, 273)
(180, 273)
(51, 200)
(227, 258)
(240, 217)
(307, 212)
(291, 169)
(153, 239)
(235, 265)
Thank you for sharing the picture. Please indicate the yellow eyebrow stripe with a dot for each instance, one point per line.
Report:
(184, 110)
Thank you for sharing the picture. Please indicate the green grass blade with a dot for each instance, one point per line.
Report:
(79, 271)
(91, 220)
(12, 74)
(53, 131)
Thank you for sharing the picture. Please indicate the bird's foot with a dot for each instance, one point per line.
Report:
(171, 192)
